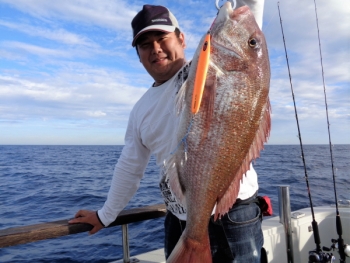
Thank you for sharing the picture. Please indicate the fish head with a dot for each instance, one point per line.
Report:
(237, 43)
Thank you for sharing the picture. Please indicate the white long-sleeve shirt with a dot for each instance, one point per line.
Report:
(152, 124)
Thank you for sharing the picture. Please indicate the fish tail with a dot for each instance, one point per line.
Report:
(191, 251)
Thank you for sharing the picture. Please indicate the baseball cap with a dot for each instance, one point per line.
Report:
(153, 18)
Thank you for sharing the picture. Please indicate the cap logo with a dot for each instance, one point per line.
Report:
(159, 20)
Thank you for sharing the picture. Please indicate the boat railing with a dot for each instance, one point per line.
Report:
(31, 233)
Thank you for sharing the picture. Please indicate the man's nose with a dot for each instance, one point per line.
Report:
(156, 47)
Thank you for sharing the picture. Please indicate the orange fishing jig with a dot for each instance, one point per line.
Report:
(201, 74)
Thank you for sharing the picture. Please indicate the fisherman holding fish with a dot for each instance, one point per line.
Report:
(222, 223)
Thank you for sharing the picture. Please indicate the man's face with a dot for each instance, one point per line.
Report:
(162, 54)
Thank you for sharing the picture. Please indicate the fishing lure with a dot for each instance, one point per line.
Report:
(201, 74)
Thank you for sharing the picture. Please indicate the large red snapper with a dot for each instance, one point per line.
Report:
(218, 143)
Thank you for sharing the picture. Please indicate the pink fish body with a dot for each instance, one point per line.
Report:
(227, 133)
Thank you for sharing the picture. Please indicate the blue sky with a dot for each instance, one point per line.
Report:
(69, 75)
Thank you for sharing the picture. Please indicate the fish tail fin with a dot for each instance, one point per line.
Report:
(191, 251)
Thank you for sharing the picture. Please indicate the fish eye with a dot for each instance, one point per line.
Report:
(252, 42)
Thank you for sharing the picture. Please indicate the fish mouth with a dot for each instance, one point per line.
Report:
(224, 48)
(226, 12)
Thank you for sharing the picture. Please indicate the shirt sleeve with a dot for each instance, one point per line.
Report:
(127, 174)
(257, 8)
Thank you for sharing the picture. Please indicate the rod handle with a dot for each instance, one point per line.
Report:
(339, 226)
(316, 235)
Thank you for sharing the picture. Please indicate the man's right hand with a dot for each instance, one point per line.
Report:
(89, 217)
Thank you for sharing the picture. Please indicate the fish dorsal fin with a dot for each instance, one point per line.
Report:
(261, 136)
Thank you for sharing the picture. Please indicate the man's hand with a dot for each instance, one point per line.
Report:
(89, 217)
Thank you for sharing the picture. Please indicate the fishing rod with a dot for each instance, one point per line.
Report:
(343, 249)
(316, 255)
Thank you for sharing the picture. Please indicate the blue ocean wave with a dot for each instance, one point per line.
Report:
(47, 183)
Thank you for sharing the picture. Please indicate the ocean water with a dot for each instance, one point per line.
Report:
(48, 183)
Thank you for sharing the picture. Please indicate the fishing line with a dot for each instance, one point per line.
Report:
(340, 240)
(316, 255)
(184, 140)
(266, 26)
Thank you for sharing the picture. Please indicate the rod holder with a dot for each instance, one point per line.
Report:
(126, 251)
(285, 219)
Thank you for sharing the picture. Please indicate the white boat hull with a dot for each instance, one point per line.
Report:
(275, 238)
(303, 239)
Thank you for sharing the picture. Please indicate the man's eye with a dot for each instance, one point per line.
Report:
(164, 37)
(143, 45)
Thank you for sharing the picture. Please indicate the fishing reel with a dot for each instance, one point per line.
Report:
(335, 246)
(320, 257)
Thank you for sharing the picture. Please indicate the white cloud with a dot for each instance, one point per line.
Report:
(299, 26)
(105, 13)
(34, 49)
(96, 113)
(59, 35)
(95, 93)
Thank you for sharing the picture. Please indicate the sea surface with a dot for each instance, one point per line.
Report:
(48, 183)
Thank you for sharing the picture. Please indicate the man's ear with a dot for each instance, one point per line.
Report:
(182, 38)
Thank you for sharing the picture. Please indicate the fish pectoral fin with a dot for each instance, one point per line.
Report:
(172, 174)
(180, 98)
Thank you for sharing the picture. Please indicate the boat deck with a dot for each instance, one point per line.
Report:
(155, 256)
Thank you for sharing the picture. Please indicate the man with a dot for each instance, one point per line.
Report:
(160, 46)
